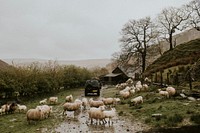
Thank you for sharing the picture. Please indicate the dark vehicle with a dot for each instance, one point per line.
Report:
(92, 88)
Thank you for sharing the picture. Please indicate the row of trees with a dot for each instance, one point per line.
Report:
(139, 35)
(36, 79)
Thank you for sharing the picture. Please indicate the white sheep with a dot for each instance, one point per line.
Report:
(97, 113)
(108, 101)
(1, 111)
(69, 98)
(22, 108)
(44, 101)
(137, 100)
(116, 101)
(47, 110)
(34, 115)
(171, 91)
(84, 103)
(71, 107)
(53, 100)
(110, 114)
(93, 103)
(145, 87)
(163, 93)
(124, 94)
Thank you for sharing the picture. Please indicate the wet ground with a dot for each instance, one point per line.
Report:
(81, 124)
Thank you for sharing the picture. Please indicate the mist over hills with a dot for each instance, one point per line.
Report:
(89, 63)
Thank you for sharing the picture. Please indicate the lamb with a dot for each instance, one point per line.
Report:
(110, 114)
(47, 110)
(163, 93)
(44, 101)
(69, 98)
(53, 100)
(22, 108)
(84, 103)
(93, 103)
(137, 100)
(34, 115)
(97, 113)
(171, 91)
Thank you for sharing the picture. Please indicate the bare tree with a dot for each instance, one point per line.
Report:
(137, 36)
(170, 20)
(194, 9)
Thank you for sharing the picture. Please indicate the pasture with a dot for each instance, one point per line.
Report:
(176, 111)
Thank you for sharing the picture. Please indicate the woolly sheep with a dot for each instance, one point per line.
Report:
(137, 100)
(97, 113)
(22, 108)
(44, 101)
(124, 94)
(163, 93)
(69, 98)
(70, 107)
(110, 114)
(116, 101)
(93, 103)
(34, 115)
(53, 100)
(108, 101)
(84, 103)
(145, 87)
(47, 110)
(171, 91)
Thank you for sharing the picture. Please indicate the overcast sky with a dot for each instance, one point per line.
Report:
(69, 29)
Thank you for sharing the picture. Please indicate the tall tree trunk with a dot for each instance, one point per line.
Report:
(170, 42)
(143, 61)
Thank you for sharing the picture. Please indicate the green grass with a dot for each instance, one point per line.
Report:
(173, 110)
(16, 123)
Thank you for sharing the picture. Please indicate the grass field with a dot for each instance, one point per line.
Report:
(175, 112)
(16, 123)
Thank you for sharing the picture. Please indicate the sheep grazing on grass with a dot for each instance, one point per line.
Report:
(69, 98)
(84, 103)
(21, 108)
(5, 108)
(53, 100)
(34, 115)
(124, 94)
(145, 87)
(97, 113)
(93, 103)
(163, 93)
(47, 110)
(137, 100)
(171, 91)
(110, 114)
(44, 101)
(116, 101)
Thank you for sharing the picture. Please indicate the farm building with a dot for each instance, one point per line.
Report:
(117, 76)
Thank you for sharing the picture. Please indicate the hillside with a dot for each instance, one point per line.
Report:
(3, 64)
(186, 53)
(90, 63)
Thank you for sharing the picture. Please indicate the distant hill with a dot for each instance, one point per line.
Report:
(3, 64)
(90, 63)
(183, 54)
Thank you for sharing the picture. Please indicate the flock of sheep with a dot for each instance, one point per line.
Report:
(100, 109)
(128, 89)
